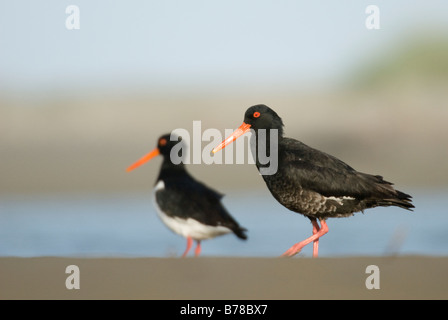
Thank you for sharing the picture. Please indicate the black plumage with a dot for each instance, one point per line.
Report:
(185, 197)
(186, 205)
(312, 182)
(319, 185)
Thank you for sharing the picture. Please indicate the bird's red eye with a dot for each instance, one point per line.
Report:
(256, 114)
(162, 142)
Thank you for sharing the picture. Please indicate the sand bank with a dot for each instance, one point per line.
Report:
(225, 278)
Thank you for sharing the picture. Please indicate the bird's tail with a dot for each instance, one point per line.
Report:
(404, 203)
(392, 197)
(240, 232)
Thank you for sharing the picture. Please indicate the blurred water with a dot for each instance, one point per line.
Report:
(126, 225)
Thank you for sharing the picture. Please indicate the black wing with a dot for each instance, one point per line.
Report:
(189, 198)
(327, 175)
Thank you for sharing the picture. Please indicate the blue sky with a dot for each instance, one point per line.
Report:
(198, 43)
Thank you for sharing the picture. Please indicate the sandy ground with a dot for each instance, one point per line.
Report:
(209, 278)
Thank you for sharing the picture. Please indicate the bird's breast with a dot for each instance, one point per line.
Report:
(183, 224)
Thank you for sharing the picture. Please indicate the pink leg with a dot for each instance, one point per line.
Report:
(316, 229)
(298, 246)
(189, 243)
(198, 248)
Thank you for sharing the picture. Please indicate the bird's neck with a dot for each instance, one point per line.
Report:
(265, 149)
(170, 169)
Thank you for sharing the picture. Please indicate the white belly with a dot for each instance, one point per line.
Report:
(187, 227)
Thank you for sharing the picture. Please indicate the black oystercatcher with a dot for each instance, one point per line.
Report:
(311, 182)
(185, 205)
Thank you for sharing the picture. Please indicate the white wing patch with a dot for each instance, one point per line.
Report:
(339, 199)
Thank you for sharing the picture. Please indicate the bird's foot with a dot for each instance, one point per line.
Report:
(317, 233)
(295, 249)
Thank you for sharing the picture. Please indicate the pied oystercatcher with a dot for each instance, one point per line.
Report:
(187, 206)
(314, 183)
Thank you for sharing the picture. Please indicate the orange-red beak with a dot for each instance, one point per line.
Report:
(237, 133)
(144, 159)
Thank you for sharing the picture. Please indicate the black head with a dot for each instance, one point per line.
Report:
(261, 116)
(256, 117)
(165, 145)
(172, 148)
(167, 142)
